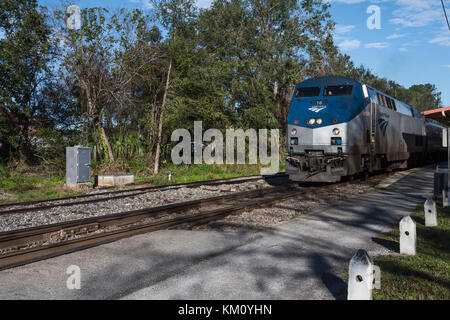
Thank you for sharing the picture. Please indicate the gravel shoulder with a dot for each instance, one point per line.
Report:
(264, 218)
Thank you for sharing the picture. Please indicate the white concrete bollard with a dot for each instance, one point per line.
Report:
(407, 236)
(445, 194)
(360, 276)
(430, 213)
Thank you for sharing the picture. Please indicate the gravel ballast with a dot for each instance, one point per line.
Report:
(149, 199)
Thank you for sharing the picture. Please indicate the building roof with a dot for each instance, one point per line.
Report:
(441, 115)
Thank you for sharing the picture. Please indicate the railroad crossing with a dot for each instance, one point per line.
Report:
(304, 258)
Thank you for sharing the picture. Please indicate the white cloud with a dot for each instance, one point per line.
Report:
(340, 29)
(376, 45)
(417, 13)
(443, 41)
(395, 36)
(403, 49)
(349, 44)
(447, 66)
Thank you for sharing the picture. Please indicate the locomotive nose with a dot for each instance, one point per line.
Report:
(316, 113)
(328, 137)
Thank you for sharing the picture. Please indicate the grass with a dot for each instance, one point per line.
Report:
(425, 276)
(186, 174)
(21, 186)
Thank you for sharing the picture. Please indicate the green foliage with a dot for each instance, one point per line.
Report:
(25, 52)
(202, 172)
(128, 145)
(235, 64)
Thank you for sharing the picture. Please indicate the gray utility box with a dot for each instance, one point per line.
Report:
(78, 165)
(440, 179)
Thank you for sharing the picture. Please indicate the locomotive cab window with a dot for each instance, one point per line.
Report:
(331, 91)
(306, 92)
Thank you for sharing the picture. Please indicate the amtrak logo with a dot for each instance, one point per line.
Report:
(318, 105)
(383, 124)
(317, 109)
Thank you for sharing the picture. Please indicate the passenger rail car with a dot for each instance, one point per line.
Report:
(341, 127)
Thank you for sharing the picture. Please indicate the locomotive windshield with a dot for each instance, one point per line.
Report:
(331, 91)
(307, 92)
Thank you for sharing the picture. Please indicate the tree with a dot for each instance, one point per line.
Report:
(98, 57)
(26, 49)
(424, 96)
(264, 48)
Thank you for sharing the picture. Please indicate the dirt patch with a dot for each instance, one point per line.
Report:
(6, 197)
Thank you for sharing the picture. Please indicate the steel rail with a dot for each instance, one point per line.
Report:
(104, 219)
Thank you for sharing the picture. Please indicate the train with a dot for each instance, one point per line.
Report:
(339, 127)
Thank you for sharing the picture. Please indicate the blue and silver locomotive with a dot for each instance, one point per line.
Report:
(340, 127)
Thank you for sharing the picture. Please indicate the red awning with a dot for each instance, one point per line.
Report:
(441, 115)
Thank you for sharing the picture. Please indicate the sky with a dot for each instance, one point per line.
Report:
(407, 41)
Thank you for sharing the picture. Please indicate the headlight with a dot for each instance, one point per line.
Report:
(311, 121)
(319, 121)
(294, 132)
(336, 131)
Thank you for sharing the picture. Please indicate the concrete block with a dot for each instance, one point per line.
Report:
(123, 179)
(360, 276)
(114, 180)
(430, 213)
(407, 236)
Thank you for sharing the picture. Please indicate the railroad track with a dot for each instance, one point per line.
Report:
(29, 245)
(29, 206)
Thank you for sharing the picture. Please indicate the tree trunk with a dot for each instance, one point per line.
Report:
(106, 141)
(104, 137)
(158, 145)
(98, 121)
